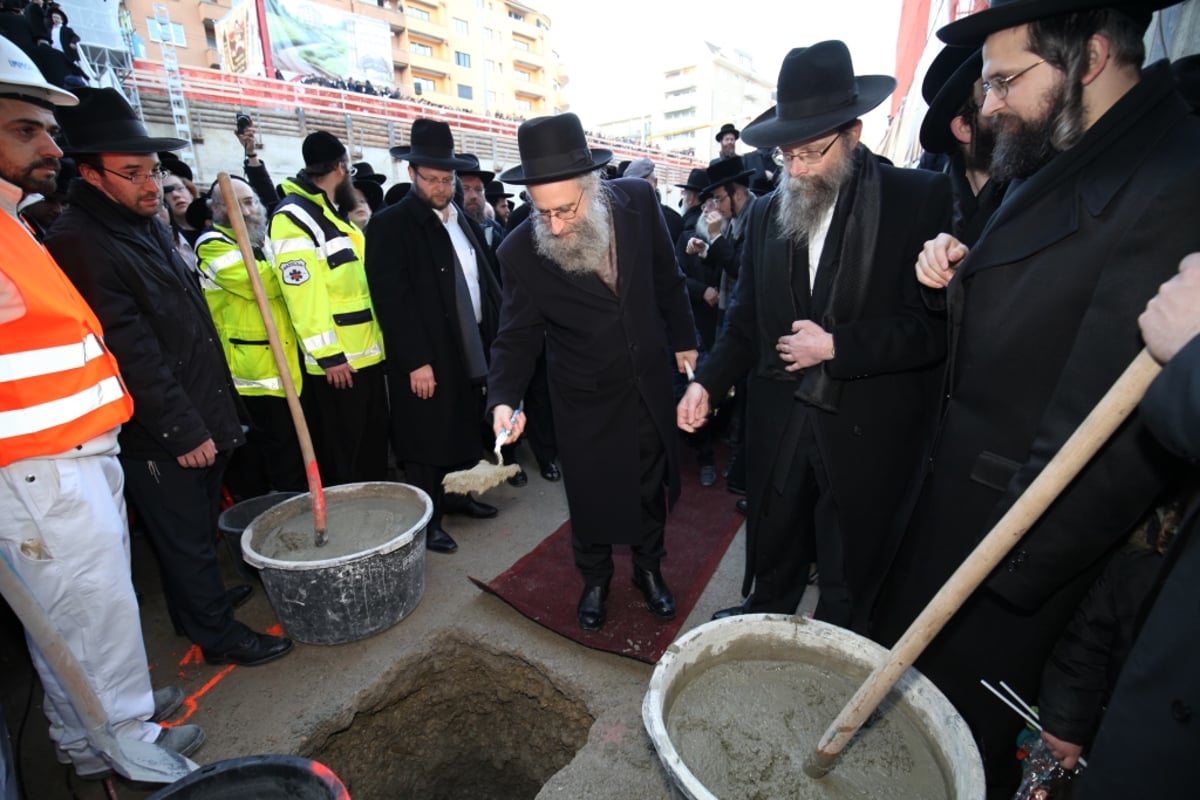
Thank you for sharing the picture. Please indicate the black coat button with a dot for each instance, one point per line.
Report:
(1181, 711)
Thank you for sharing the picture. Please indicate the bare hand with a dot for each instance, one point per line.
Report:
(422, 382)
(341, 376)
(807, 346)
(1172, 317)
(712, 296)
(1067, 753)
(938, 260)
(685, 361)
(248, 137)
(696, 246)
(203, 456)
(502, 420)
(692, 411)
(714, 220)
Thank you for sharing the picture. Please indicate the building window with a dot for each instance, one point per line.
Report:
(520, 44)
(494, 66)
(462, 59)
(210, 35)
(517, 15)
(465, 92)
(416, 12)
(686, 113)
(421, 49)
(493, 99)
(522, 75)
(424, 85)
(461, 26)
(524, 105)
(176, 36)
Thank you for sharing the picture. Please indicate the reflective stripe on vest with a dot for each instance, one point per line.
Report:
(44, 416)
(370, 352)
(328, 239)
(46, 360)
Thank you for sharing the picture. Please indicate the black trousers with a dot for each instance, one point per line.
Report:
(179, 507)
(349, 426)
(273, 436)
(540, 427)
(594, 559)
(799, 524)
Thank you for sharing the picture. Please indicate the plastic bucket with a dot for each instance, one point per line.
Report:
(238, 516)
(333, 597)
(258, 777)
(776, 637)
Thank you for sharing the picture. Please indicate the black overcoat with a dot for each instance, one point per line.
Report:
(411, 274)
(888, 361)
(605, 354)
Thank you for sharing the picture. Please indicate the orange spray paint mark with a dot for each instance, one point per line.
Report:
(195, 657)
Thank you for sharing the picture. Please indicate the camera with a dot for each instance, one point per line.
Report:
(243, 122)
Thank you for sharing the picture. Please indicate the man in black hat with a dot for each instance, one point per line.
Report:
(474, 185)
(727, 138)
(592, 277)
(114, 248)
(498, 198)
(319, 254)
(953, 126)
(697, 180)
(433, 279)
(644, 168)
(842, 354)
(1043, 311)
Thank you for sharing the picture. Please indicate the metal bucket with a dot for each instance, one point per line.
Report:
(777, 637)
(329, 596)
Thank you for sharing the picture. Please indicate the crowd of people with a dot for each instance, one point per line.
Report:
(898, 354)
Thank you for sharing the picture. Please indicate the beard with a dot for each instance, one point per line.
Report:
(1025, 146)
(37, 184)
(584, 251)
(978, 154)
(805, 200)
(256, 228)
(344, 198)
(475, 211)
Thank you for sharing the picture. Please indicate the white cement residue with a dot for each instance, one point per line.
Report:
(354, 525)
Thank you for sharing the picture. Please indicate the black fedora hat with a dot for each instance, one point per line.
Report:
(363, 171)
(483, 174)
(372, 191)
(727, 170)
(1003, 14)
(396, 192)
(553, 149)
(494, 190)
(948, 83)
(728, 128)
(818, 92)
(432, 146)
(697, 180)
(104, 123)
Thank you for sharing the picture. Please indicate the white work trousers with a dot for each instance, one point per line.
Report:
(64, 527)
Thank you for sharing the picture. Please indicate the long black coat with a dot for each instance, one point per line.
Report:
(888, 360)
(156, 323)
(410, 270)
(1043, 320)
(605, 354)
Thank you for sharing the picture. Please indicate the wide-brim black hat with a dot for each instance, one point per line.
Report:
(372, 191)
(948, 95)
(483, 174)
(697, 180)
(727, 170)
(494, 190)
(553, 149)
(728, 128)
(818, 92)
(363, 171)
(104, 123)
(432, 145)
(396, 192)
(1004, 14)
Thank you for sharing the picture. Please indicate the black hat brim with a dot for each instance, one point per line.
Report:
(517, 175)
(689, 186)
(975, 28)
(419, 159)
(936, 136)
(491, 198)
(372, 191)
(483, 175)
(132, 147)
(770, 131)
(740, 177)
(374, 177)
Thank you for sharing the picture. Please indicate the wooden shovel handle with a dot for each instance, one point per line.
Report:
(236, 221)
(1112, 410)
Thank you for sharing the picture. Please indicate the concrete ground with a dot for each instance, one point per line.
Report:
(296, 704)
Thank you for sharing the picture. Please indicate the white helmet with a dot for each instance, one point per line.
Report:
(19, 76)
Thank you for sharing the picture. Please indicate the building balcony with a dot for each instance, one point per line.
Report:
(400, 57)
(527, 59)
(427, 28)
(213, 9)
(432, 64)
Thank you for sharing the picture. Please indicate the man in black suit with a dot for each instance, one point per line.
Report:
(433, 286)
(592, 274)
(843, 356)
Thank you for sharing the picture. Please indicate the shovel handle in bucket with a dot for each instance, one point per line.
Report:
(1112, 410)
(238, 223)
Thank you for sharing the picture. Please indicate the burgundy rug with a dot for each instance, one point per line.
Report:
(545, 586)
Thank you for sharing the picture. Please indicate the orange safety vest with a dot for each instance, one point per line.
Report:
(59, 384)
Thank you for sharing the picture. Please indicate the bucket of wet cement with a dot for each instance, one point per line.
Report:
(258, 777)
(370, 574)
(736, 705)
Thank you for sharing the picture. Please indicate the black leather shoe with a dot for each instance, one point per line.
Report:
(468, 506)
(733, 611)
(659, 599)
(742, 506)
(239, 595)
(518, 480)
(708, 475)
(255, 649)
(551, 472)
(593, 607)
(439, 541)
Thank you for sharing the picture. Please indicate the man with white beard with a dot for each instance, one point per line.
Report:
(235, 313)
(842, 355)
(592, 276)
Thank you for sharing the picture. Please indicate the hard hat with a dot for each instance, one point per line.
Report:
(19, 76)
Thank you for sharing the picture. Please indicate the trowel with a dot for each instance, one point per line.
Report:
(132, 759)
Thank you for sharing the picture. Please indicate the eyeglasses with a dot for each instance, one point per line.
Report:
(139, 177)
(174, 187)
(810, 157)
(563, 214)
(718, 199)
(448, 180)
(1001, 85)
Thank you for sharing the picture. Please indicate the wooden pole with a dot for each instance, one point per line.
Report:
(238, 224)
(1112, 410)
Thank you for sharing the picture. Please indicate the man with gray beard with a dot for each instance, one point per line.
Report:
(272, 447)
(592, 275)
(842, 356)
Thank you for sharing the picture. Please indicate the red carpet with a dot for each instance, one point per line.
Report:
(545, 586)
